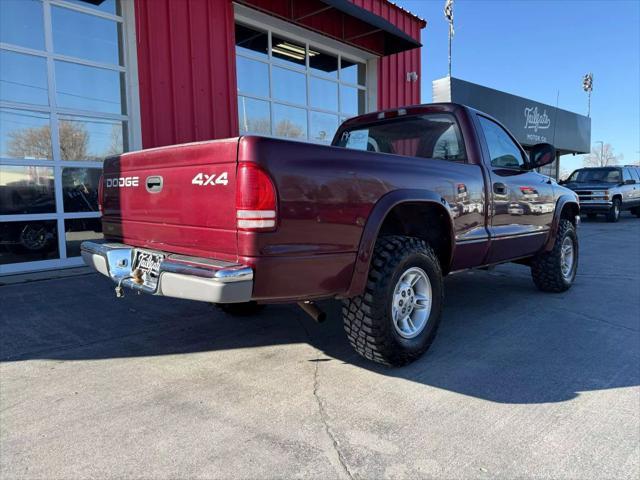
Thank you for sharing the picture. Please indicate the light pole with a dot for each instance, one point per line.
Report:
(587, 86)
(601, 151)
(448, 13)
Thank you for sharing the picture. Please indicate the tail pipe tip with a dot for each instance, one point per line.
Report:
(313, 311)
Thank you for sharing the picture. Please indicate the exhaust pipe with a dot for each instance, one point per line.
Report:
(313, 311)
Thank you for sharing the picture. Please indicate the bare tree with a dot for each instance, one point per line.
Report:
(602, 157)
(74, 140)
(564, 173)
(286, 128)
(35, 142)
(116, 144)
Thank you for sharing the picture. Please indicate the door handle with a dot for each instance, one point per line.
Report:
(499, 188)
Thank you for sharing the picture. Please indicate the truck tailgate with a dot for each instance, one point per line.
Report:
(179, 198)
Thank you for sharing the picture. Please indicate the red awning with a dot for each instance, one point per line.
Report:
(345, 21)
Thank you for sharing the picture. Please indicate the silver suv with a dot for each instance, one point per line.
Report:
(607, 190)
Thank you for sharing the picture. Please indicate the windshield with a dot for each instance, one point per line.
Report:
(430, 136)
(596, 175)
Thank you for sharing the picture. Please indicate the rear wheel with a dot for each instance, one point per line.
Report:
(396, 319)
(614, 212)
(555, 271)
(241, 309)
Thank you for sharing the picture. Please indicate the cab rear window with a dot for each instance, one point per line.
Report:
(434, 136)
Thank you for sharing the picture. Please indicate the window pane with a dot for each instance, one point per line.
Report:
(91, 139)
(288, 52)
(448, 144)
(89, 88)
(107, 6)
(254, 116)
(353, 100)
(28, 241)
(85, 36)
(80, 189)
(21, 23)
(289, 86)
(352, 72)
(504, 152)
(323, 64)
(26, 189)
(250, 41)
(23, 78)
(323, 126)
(428, 136)
(324, 94)
(78, 230)
(253, 77)
(25, 135)
(289, 122)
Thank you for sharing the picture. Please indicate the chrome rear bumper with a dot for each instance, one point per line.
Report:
(192, 278)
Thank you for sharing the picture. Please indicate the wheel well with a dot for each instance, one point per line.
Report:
(427, 221)
(618, 196)
(569, 212)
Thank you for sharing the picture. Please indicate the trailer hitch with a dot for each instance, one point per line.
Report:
(136, 276)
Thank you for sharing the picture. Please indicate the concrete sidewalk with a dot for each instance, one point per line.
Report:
(535, 385)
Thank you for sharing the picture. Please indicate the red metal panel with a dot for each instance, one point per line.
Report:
(186, 66)
(186, 62)
(393, 88)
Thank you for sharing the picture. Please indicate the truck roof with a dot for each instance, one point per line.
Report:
(443, 107)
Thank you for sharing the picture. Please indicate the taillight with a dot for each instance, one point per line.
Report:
(100, 194)
(255, 199)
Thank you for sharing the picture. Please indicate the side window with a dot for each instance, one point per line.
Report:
(448, 145)
(626, 174)
(635, 174)
(503, 151)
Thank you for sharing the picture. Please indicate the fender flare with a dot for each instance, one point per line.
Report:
(561, 203)
(374, 222)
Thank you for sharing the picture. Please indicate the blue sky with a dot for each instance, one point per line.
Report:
(534, 48)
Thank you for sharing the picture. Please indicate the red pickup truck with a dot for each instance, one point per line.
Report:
(400, 199)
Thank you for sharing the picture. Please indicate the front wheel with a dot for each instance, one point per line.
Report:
(396, 319)
(614, 212)
(555, 271)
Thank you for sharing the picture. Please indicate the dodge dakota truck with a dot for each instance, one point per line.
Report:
(400, 199)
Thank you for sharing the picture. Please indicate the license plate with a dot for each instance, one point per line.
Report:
(149, 264)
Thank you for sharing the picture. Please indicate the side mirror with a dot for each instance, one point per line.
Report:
(629, 182)
(541, 154)
(562, 182)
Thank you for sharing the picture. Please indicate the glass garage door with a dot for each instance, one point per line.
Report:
(294, 89)
(62, 110)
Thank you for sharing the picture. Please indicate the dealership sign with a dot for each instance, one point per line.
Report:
(529, 121)
(534, 120)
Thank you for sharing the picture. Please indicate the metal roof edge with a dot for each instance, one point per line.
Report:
(408, 12)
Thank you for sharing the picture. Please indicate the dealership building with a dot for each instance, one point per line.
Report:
(84, 79)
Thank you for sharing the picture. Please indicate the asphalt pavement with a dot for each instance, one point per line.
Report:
(518, 383)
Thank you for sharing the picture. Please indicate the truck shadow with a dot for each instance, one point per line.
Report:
(525, 348)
